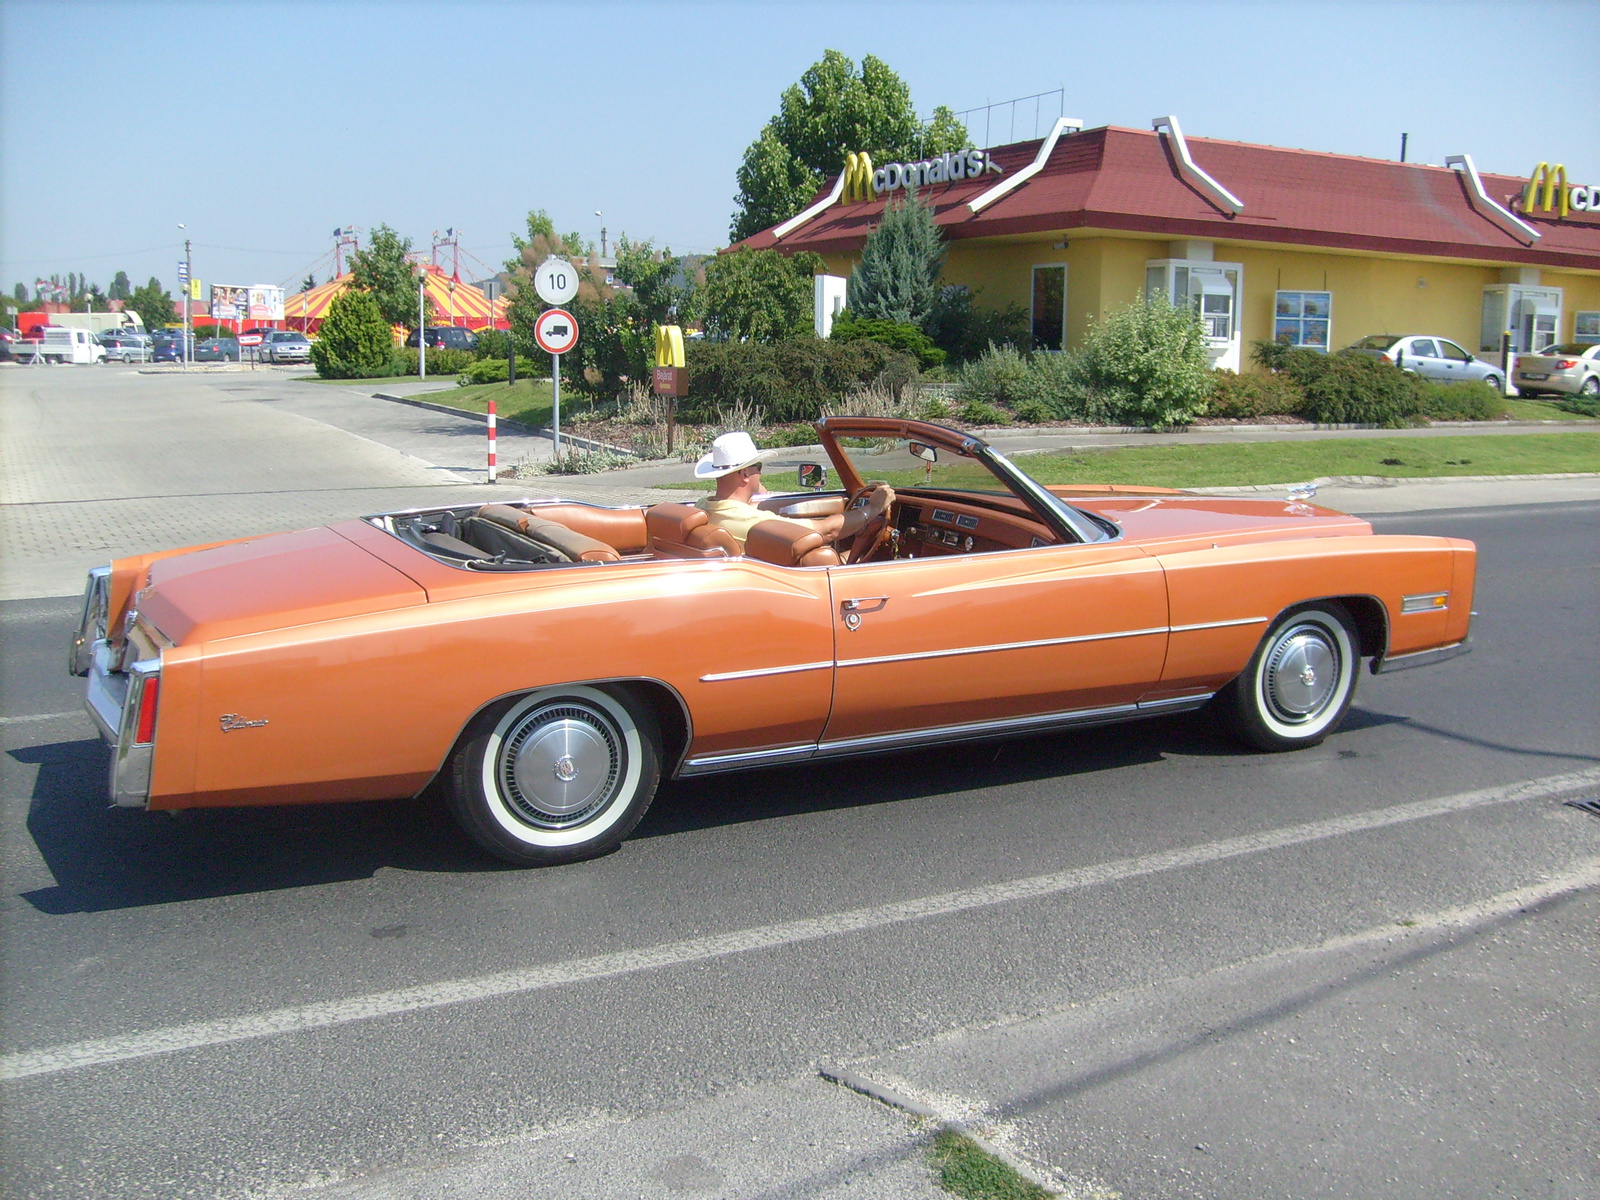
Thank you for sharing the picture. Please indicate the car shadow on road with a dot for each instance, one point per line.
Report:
(106, 858)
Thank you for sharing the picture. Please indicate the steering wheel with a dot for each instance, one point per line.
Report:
(873, 534)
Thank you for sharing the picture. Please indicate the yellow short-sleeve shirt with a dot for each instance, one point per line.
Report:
(736, 516)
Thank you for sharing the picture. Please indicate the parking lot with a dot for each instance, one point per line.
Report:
(1144, 961)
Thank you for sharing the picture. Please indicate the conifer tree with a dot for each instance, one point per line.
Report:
(897, 278)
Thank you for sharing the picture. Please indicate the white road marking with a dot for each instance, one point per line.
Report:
(297, 1018)
(76, 712)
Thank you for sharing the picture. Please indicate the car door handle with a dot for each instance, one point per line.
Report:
(851, 610)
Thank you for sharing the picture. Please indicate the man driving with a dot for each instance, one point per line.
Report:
(735, 463)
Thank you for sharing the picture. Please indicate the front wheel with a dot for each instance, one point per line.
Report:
(1300, 681)
(562, 775)
(1590, 387)
(1493, 381)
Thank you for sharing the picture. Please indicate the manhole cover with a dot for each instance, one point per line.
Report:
(1592, 807)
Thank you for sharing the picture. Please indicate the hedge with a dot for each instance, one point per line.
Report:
(798, 379)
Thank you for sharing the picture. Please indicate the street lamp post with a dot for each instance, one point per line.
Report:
(188, 270)
(421, 273)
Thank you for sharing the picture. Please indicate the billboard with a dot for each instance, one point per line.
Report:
(259, 302)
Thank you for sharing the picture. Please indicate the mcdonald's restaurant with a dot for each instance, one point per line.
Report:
(1297, 246)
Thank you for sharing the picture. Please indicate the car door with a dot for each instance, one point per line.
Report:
(1456, 363)
(1422, 358)
(992, 641)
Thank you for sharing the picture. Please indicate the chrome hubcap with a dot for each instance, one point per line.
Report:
(1301, 674)
(560, 765)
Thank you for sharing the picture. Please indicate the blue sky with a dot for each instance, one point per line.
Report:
(263, 127)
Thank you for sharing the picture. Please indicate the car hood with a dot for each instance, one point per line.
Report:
(270, 583)
(1221, 519)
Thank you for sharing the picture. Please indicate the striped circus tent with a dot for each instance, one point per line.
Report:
(462, 304)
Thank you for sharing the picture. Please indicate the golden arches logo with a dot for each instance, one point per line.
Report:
(669, 346)
(858, 178)
(1549, 184)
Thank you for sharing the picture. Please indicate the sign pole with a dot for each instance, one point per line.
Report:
(555, 401)
(492, 471)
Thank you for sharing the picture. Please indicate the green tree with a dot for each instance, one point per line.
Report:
(897, 278)
(760, 295)
(660, 284)
(356, 340)
(831, 111)
(153, 305)
(20, 291)
(541, 226)
(1146, 364)
(309, 282)
(120, 288)
(383, 270)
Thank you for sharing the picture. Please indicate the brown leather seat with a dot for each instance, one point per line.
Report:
(789, 544)
(683, 531)
(574, 546)
(623, 529)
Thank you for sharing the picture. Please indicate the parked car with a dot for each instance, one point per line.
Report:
(216, 350)
(168, 346)
(446, 337)
(8, 339)
(285, 345)
(1570, 369)
(126, 346)
(1430, 357)
(66, 344)
(546, 662)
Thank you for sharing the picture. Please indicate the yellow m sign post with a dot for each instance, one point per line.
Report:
(671, 375)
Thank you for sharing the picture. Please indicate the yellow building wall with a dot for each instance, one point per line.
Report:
(1370, 294)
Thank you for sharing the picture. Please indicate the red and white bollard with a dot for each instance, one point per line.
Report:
(491, 443)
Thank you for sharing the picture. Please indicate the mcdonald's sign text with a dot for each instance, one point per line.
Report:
(1548, 190)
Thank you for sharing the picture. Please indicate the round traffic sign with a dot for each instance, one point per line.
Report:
(556, 281)
(556, 331)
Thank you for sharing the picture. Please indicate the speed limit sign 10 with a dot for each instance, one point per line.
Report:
(556, 281)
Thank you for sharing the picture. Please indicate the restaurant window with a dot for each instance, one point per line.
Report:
(1586, 327)
(1212, 289)
(1050, 307)
(1302, 319)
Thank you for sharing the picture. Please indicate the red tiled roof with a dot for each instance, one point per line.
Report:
(1125, 179)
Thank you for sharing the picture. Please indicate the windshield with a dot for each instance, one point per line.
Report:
(1378, 341)
(892, 461)
(1567, 349)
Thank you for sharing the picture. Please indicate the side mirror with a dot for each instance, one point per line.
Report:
(813, 475)
(923, 451)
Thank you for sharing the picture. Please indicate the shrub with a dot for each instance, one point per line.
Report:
(976, 412)
(1246, 396)
(440, 362)
(1439, 401)
(998, 376)
(493, 370)
(1053, 389)
(494, 343)
(356, 341)
(1146, 364)
(797, 379)
(1350, 388)
(1584, 406)
(897, 278)
(907, 339)
(964, 332)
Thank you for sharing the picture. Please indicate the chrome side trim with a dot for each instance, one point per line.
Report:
(963, 650)
(724, 676)
(941, 734)
(92, 620)
(1422, 658)
(1218, 624)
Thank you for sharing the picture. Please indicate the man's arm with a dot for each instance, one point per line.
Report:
(854, 520)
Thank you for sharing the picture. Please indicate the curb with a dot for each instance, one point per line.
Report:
(581, 443)
(883, 1094)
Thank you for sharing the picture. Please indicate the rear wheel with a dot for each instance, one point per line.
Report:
(1300, 681)
(561, 775)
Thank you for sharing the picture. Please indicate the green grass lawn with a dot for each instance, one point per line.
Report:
(1540, 410)
(378, 382)
(527, 401)
(1232, 465)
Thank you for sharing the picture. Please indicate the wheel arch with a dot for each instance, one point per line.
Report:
(663, 700)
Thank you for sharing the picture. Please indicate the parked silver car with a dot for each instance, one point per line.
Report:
(285, 345)
(125, 346)
(1570, 369)
(1430, 357)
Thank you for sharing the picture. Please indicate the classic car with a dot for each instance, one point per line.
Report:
(543, 663)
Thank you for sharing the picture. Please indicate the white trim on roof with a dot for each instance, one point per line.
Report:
(1191, 171)
(978, 203)
(1487, 205)
(793, 223)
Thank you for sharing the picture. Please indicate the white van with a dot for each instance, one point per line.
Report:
(60, 344)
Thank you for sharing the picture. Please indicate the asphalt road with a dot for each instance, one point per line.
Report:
(1145, 960)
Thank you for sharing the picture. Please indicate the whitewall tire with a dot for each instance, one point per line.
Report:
(1299, 683)
(563, 774)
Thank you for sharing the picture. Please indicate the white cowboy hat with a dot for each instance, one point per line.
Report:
(730, 452)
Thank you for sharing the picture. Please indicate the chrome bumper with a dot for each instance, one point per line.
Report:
(1422, 658)
(112, 699)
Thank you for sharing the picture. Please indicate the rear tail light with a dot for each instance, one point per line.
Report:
(149, 694)
(1566, 364)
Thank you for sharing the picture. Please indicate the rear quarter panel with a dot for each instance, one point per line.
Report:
(1253, 584)
(369, 707)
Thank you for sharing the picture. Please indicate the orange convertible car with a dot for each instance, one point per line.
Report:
(548, 661)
